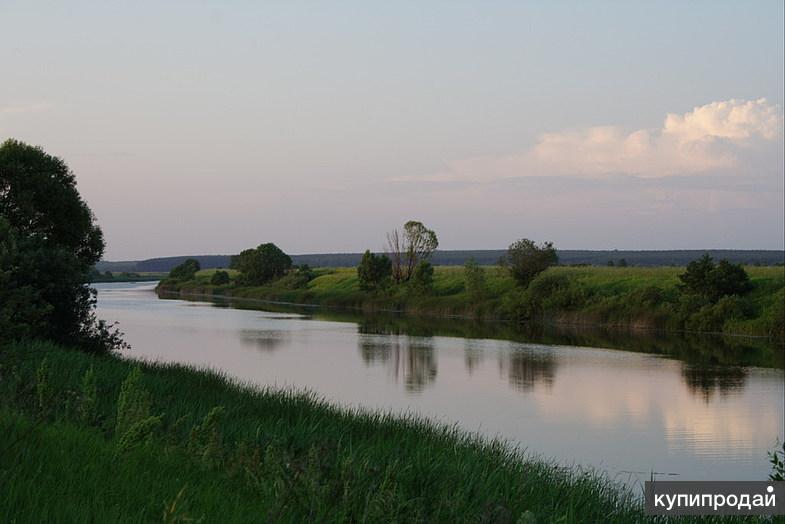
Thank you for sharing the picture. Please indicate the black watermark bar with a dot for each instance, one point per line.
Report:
(714, 498)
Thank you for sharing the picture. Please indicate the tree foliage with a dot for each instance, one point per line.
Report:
(261, 265)
(525, 259)
(49, 243)
(185, 271)
(219, 278)
(407, 248)
(713, 281)
(374, 271)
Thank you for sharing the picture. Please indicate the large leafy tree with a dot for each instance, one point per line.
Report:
(261, 265)
(49, 243)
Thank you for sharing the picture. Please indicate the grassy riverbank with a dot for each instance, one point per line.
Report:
(629, 297)
(83, 442)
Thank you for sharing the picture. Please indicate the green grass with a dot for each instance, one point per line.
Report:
(626, 297)
(271, 456)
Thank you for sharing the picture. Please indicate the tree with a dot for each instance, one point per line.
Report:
(185, 271)
(408, 248)
(374, 271)
(261, 265)
(49, 244)
(704, 278)
(474, 280)
(525, 259)
(219, 278)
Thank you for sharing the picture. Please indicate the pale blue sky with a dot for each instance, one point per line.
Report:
(199, 127)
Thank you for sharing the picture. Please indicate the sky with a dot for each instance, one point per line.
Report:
(210, 127)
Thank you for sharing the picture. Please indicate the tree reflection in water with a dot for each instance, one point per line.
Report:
(525, 369)
(410, 358)
(264, 339)
(708, 380)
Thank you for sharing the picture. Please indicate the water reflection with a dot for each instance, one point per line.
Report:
(705, 381)
(525, 369)
(411, 359)
(472, 355)
(264, 339)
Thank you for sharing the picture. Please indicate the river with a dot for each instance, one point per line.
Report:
(632, 414)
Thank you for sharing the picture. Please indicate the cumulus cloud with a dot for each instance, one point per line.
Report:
(709, 138)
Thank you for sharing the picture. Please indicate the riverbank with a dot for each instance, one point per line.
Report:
(629, 298)
(90, 439)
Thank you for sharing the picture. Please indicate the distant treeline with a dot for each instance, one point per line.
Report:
(483, 257)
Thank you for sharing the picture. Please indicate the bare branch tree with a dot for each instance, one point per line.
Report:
(395, 253)
(408, 248)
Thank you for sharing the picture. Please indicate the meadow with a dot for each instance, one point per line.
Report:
(638, 298)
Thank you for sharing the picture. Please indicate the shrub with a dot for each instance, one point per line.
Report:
(712, 317)
(220, 278)
(525, 260)
(713, 282)
(545, 293)
(298, 278)
(374, 271)
(422, 278)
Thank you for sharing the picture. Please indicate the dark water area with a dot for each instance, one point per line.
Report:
(635, 406)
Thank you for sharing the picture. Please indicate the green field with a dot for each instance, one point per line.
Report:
(624, 297)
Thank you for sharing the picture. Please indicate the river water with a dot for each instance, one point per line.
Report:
(632, 414)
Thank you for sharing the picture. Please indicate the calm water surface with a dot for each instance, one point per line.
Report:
(630, 414)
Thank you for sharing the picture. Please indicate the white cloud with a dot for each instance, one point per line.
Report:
(706, 139)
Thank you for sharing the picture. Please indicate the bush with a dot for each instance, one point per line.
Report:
(374, 271)
(712, 317)
(712, 281)
(525, 260)
(220, 278)
(545, 294)
(422, 278)
(298, 278)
